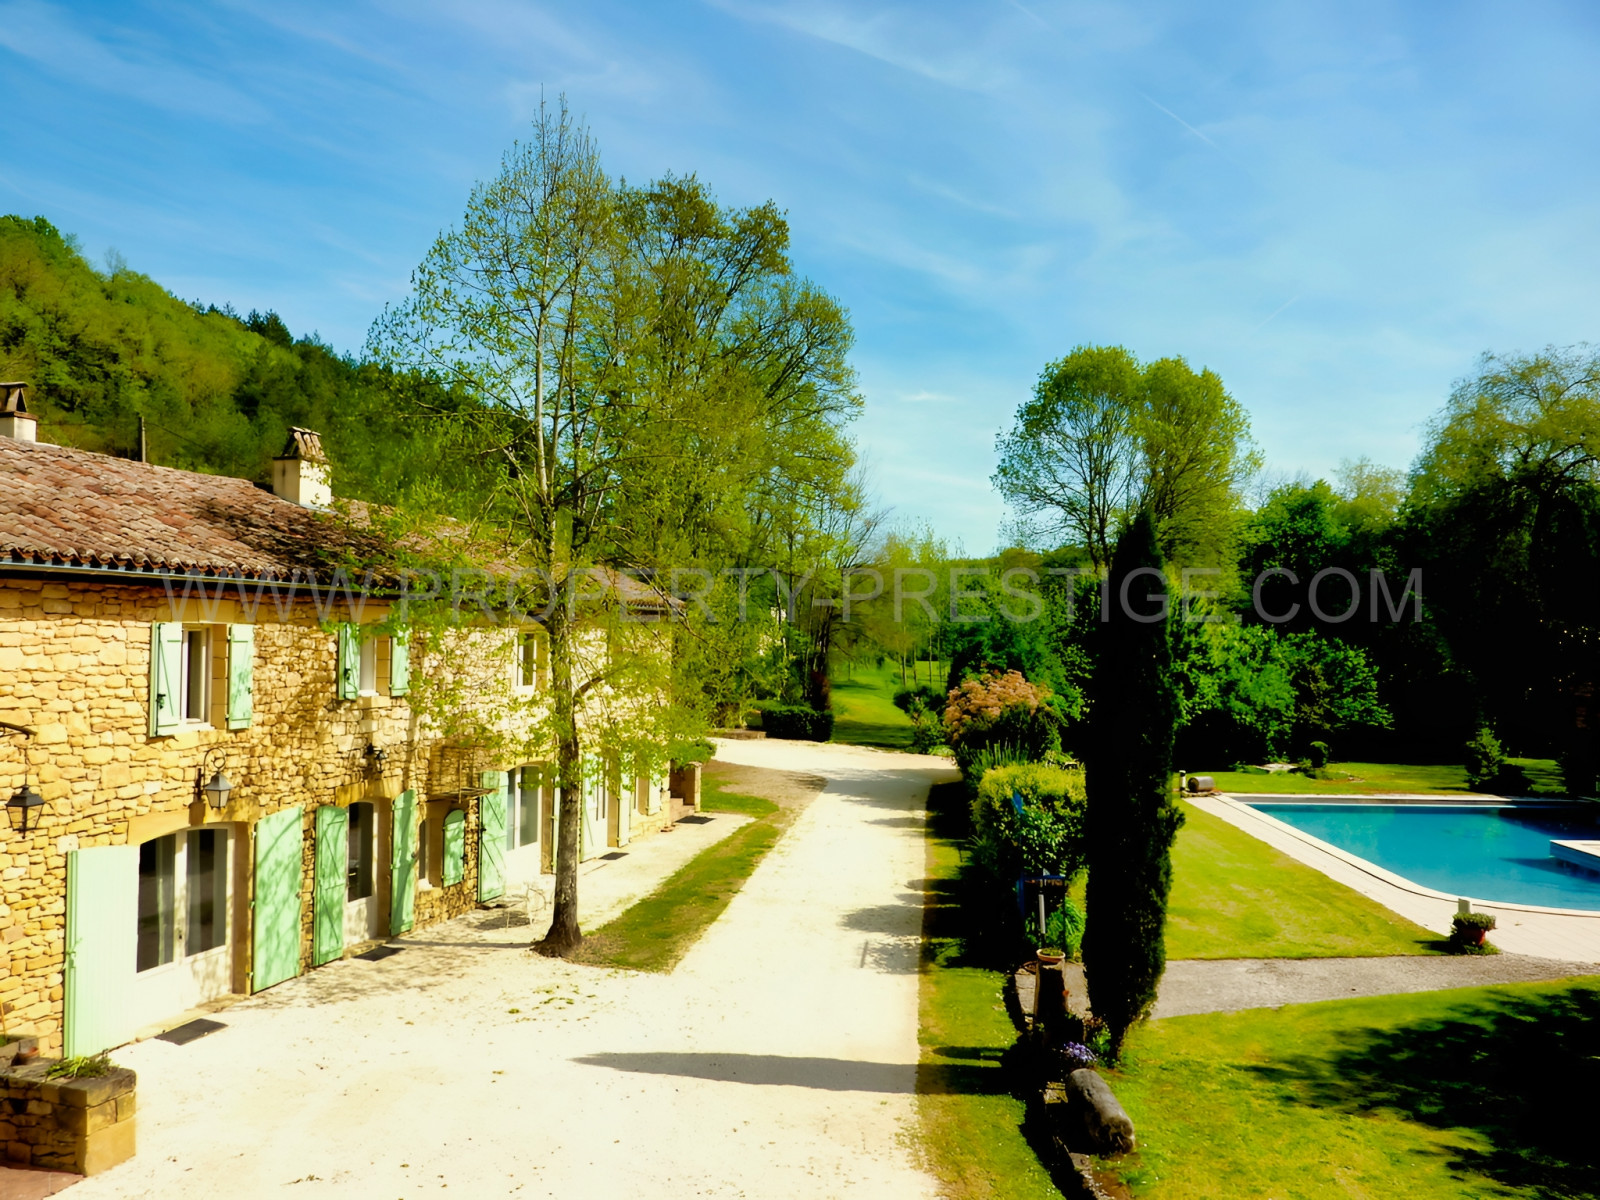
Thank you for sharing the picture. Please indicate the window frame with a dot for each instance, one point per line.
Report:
(190, 673)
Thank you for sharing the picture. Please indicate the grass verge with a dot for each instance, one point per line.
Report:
(1544, 776)
(1236, 897)
(863, 706)
(657, 931)
(969, 1125)
(1473, 1092)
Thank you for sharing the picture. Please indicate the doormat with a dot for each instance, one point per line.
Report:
(614, 855)
(694, 820)
(379, 953)
(190, 1031)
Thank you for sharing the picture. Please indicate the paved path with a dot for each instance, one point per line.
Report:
(1228, 985)
(777, 1060)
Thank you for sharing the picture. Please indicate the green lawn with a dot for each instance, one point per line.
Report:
(1440, 780)
(863, 705)
(969, 1124)
(1471, 1093)
(653, 934)
(1236, 897)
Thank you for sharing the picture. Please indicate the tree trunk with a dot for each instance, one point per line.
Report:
(564, 936)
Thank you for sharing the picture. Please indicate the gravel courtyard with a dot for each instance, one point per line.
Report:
(778, 1059)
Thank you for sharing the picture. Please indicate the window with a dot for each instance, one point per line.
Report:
(206, 875)
(157, 902)
(424, 854)
(359, 860)
(182, 874)
(369, 665)
(522, 806)
(531, 664)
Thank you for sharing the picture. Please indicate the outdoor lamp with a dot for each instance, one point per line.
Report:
(26, 801)
(375, 758)
(215, 790)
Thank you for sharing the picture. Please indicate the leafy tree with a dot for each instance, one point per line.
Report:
(1103, 436)
(1504, 518)
(1197, 457)
(1072, 452)
(632, 360)
(1133, 815)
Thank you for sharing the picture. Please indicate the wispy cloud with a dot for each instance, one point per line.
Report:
(1181, 121)
(120, 61)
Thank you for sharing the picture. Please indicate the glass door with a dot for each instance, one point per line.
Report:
(361, 911)
(184, 935)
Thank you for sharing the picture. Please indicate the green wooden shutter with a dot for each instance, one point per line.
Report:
(400, 663)
(280, 838)
(349, 667)
(454, 867)
(627, 797)
(241, 663)
(403, 864)
(166, 677)
(332, 881)
(102, 946)
(492, 837)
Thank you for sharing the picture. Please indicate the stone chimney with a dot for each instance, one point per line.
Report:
(15, 419)
(300, 473)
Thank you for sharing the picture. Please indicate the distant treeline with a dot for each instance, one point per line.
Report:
(218, 391)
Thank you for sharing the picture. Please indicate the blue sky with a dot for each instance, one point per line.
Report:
(1337, 207)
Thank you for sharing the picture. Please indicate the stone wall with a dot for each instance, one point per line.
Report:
(83, 1125)
(75, 666)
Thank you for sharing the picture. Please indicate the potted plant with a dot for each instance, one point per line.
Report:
(1469, 929)
(1050, 956)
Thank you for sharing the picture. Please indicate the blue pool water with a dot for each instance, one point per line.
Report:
(1489, 853)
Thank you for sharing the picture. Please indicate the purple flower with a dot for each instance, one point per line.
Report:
(1078, 1055)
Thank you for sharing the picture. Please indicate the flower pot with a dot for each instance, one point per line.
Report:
(1049, 957)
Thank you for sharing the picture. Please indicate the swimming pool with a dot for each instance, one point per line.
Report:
(1486, 852)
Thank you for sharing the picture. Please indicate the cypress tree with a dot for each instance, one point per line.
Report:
(1133, 815)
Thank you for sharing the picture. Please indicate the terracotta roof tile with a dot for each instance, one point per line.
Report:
(65, 507)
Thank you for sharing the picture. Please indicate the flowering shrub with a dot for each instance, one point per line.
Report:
(1001, 710)
(1075, 1056)
(982, 701)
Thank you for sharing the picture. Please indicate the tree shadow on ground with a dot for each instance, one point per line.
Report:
(1522, 1072)
(827, 1074)
(965, 920)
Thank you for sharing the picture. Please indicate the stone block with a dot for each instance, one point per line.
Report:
(105, 1149)
(84, 1121)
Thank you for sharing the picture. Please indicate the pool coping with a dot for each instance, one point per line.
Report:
(1383, 874)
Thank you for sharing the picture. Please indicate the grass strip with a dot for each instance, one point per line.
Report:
(654, 933)
(864, 713)
(1544, 779)
(969, 1129)
(1431, 1096)
(1234, 896)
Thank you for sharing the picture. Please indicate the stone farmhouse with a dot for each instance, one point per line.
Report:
(214, 781)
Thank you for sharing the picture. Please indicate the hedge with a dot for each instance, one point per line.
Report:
(797, 722)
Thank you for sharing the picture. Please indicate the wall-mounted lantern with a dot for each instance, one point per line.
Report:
(26, 807)
(216, 790)
(374, 758)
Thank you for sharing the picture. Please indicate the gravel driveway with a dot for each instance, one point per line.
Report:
(778, 1059)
